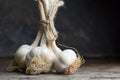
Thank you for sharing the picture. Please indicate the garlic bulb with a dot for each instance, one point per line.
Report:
(64, 58)
(42, 51)
(20, 55)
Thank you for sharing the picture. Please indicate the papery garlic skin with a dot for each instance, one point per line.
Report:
(20, 55)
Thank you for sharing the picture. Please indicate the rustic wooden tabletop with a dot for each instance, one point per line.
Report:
(93, 69)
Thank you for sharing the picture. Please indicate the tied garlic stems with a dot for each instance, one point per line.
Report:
(63, 58)
(48, 33)
(50, 15)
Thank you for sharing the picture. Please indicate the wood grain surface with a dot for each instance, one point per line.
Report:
(93, 69)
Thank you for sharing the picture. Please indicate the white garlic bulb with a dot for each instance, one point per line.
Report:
(64, 58)
(20, 55)
(42, 51)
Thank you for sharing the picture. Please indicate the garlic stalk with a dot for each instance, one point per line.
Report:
(46, 5)
(49, 35)
(50, 9)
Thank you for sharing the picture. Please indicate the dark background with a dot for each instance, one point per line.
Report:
(91, 26)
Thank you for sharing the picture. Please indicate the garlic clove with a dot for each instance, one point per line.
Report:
(32, 53)
(65, 59)
(35, 51)
(68, 56)
(20, 55)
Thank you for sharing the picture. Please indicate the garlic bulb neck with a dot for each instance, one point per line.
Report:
(43, 40)
(56, 49)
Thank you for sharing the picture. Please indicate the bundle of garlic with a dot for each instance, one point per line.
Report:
(34, 59)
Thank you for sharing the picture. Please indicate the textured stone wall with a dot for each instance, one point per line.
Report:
(88, 25)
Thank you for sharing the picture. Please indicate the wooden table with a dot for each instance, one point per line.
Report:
(93, 69)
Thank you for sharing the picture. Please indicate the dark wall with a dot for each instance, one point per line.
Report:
(91, 26)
